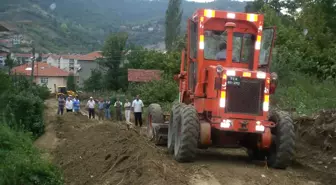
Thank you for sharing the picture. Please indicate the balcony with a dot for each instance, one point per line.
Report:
(4, 49)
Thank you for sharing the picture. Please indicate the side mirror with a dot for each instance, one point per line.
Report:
(267, 44)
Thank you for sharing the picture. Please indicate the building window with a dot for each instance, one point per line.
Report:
(71, 64)
(44, 80)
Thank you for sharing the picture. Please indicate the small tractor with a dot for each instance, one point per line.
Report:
(224, 92)
(62, 90)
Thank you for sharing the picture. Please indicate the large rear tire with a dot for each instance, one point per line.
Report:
(283, 145)
(154, 116)
(187, 135)
(175, 118)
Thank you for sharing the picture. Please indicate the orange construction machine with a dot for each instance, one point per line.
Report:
(224, 92)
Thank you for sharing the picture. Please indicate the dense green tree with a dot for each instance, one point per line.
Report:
(9, 62)
(149, 59)
(173, 23)
(39, 58)
(94, 82)
(113, 52)
(71, 82)
(254, 6)
(5, 82)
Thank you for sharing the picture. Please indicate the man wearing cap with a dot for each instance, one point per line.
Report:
(91, 106)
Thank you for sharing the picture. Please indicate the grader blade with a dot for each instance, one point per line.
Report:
(160, 135)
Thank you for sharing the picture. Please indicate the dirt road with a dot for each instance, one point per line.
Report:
(101, 153)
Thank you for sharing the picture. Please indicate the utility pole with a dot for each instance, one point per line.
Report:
(33, 66)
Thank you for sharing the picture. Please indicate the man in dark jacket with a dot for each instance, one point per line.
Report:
(61, 104)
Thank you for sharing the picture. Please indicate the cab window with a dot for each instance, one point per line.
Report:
(215, 46)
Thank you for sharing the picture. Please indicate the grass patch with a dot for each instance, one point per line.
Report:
(21, 162)
(305, 93)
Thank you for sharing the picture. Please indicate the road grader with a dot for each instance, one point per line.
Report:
(225, 85)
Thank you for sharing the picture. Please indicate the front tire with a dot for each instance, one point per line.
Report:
(175, 118)
(187, 135)
(283, 145)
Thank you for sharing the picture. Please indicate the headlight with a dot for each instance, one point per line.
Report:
(226, 123)
(219, 69)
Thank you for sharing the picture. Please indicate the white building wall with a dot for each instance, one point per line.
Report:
(52, 61)
(64, 64)
(52, 81)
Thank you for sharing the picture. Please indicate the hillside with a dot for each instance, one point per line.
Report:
(82, 25)
(49, 33)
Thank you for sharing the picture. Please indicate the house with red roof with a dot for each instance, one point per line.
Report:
(81, 65)
(143, 75)
(44, 73)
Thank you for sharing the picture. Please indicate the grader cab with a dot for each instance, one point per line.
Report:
(224, 92)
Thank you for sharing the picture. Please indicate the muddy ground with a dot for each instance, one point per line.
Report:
(100, 153)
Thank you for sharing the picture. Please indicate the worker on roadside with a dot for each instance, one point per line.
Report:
(101, 108)
(91, 106)
(61, 104)
(118, 107)
(137, 106)
(127, 107)
(107, 109)
(69, 105)
(76, 104)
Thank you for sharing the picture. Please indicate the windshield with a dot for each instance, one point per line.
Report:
(215, 46)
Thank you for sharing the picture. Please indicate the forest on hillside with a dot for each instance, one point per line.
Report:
(82, 25)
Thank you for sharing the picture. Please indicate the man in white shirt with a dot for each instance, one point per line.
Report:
(127, 107)
(137, 106)
(69, 105)
(91, 105)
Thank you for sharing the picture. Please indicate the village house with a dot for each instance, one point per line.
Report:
(86, 63)
(2, 59)
(69, 62)
(44, 74)
(3, 30)
(22, 58)
(81, 65)
(54, 60)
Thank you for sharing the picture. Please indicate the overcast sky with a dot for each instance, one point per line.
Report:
(203, 1)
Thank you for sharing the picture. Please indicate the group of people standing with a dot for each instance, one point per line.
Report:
(104, 109)
(70, 104)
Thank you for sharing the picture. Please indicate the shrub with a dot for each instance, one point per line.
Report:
(24, 111)
(22, 105)
(164, 90)
(21, 163)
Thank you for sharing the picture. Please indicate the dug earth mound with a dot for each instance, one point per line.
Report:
(109, 153)
(316, 141)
